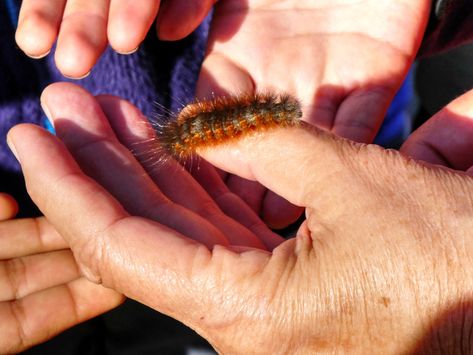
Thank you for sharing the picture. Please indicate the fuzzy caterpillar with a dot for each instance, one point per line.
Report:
(211, 122)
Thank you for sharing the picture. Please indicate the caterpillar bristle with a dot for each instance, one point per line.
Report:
(211, 122)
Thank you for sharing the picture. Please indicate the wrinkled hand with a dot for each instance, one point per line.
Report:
(39, 268)
(382, 262)
(344, 59)
(83, 27)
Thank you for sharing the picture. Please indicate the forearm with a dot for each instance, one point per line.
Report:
(451, 24)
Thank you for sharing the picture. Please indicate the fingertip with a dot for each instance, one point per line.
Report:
(22, 135)
(220, 76)
(61, 88)
(445, 138)
(36, 34)
(360, 115)
(178, 19)
(121, 39)
(75, 63)
(69, 63)
(129, 123)
(55, 95)
(78, 49)
(8, 206)
(129, 22)
(279, 213)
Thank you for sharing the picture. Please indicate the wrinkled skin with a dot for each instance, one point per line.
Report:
(383, 257)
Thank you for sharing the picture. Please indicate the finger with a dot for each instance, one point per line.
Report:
(38, 26)
(361, 113)
(277, 212)
(82, 36)
(40, 316)
(137, 135)
(178, 18)
(129, 21)
(233, 206)
(135, 256)
(250, 192)
(219, 76)
(273, 209)
(231, 79)
(446, 138)
(138, 257)
(304, 174)
(8, 206)
(81, 124)
(24, 275)
(21, 237)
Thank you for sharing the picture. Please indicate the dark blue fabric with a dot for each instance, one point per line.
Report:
(12, 8)
(398, 121)
(160, 76)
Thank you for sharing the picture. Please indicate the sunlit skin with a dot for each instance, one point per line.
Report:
(381, 265)
(82, 28)
(344, 59)
(8, 207)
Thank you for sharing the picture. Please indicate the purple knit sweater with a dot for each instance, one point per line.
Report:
(159, 72)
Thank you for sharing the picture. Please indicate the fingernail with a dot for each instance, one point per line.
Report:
(129, 52)
(38, 56)
(77, 77)
(12, 148)
(47, 112)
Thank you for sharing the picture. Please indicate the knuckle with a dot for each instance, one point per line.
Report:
(16, 275)
(19, 339)
(91, 256)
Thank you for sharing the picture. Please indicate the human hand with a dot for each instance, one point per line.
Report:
(83, 28)
(8, 207)
(343, 59)
(39, 280)
(49, 276)
(42, 292)
(382, 260)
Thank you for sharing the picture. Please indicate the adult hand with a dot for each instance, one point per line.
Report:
(83, 27)
(42, 292)
(8, 206)
(80, 121)
(382, 262)
(344, 59)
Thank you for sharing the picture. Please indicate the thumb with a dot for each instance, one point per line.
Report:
(300, 163)
(445, 139)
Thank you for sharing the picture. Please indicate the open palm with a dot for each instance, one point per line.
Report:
(343, 59)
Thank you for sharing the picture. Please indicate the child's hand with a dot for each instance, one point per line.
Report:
(84, 27)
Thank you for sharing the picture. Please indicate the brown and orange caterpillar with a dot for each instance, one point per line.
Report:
(211, 122)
